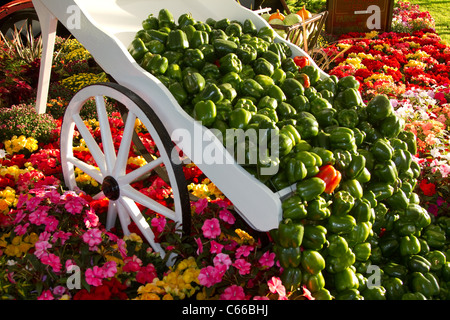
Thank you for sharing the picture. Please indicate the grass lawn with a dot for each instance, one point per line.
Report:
(439, 10)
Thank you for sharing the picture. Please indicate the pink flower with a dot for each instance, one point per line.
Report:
(51, 224)
(122, 247)
(200, 245)
(222, 259)
(94, 276)
(63, 236)
(260, 298)
(74, 205)
(110, 269)
(46, 295)
(209, 276)
(20, 230)
(211, 228)
(38, 217)
(92, 237)
(32, 203)
(59, 290)
(159, 224)
(91, 219)
(52, 261)
(201, 205)
(307, 293)
(41, 248)
(243, 266)
(243, 250)
(276, 286)
(227, 216)
(267, 259)
(233, 292)
(216, 247)
(132, 264)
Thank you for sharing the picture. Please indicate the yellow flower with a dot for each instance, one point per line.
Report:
(371, 34)
(244, 236)
(415, 63)
(167, 296)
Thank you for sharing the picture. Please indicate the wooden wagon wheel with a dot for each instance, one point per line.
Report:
(109, 169)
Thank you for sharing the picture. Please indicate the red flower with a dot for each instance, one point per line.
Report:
(428, 189)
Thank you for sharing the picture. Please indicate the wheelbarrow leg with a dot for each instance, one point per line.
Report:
(48, 31)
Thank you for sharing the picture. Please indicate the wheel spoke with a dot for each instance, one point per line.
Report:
(135, 214)
(147, 202)
(87, 168)
(105, 131)
(111, 215)
(94, 149)
(125, 144)
(139, 172)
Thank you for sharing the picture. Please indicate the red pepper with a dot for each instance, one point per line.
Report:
(301, 61)
(331, 176)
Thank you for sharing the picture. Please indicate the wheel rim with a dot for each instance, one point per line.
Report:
(107, 161)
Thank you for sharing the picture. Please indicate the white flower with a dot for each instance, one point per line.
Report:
(3, 153)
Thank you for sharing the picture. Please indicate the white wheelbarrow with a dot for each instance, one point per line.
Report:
(106, 28)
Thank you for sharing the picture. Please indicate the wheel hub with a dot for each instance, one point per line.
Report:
(111, 188)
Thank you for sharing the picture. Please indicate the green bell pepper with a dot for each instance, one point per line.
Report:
(437, 260)
(353, 187)
(179, 93)
(262, 66)
(413, 296)
(379, 108)
(347, 82)
(251, 88)
(316, 283)
(382, 150)
(306, 125)
(359, 233)
(174, 72)
(210, 92)
(292, 88)
(363, 211)
(435, 236)
(394, 288)
(356, 166)
(398, 200)
(410, 139)
(425, 283)
(312, 72)
(228, 91)
(269, 112)
(249, 27)
(374, 293)
(210, 71)
(310, 188)
(137, 49)
(246, 53)
(285, 111)
(385, 171)
(224, 47)
(348, 118)
(273, 58)
(166, 19)
(294, 208)
(150, 23)
(382, 190)
(239, 118)
(391, 126)
(314, 237)
(266, 32)
(338, 246)
(230, 63)
(205, 112)
(362, 251)
(418, 263)
(343, 202)
(290, 233)
(155, 63)
(341, 224)
(300, 103)
(194, 58)
(288, 257)
(312, 261)
(291, 278)
(234, 29)
(346, 279)
(173, 57)
(409, 245)
(177, 40)
(342, 138)
(318, 209)
(194, 82)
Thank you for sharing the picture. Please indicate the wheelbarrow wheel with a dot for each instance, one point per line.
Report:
(104, 159)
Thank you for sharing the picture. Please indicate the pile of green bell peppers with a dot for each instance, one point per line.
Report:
(228, 74)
